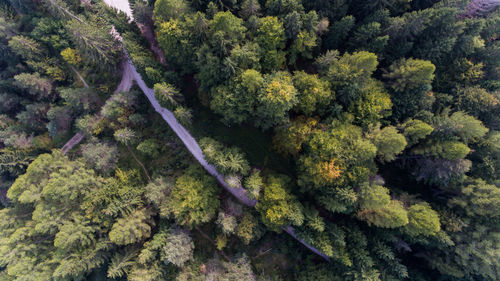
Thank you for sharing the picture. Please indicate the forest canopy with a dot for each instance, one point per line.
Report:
(250, 140)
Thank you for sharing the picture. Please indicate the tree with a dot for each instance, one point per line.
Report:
(350, 78)
(94, 43)
(275, 99)
(271, 38)
(80, 99)
(39, 87)
(373, 197)
(174, 38)
(236, 101)
(149, 147)
(338, 32)
(227, 223)
(476, 101)
(125, 136)
(369, 37)
(288, 139)
(71, 56)
(34, 116)
(165, 10)
(478, 198)
(143, 13)
(408, 74)
(461, 125)
(303, 46)
(391, 215)
(225, 30)
(167, 95)
(26, 47)
(423, 220)
(178, 248)
(414, 130)
(226, 160)
(389, 142)
(277, 206)
(342, 152)
(254, 184)
(132, 228)
(51, 192)
(184, 115)
(249, 8)
(314, 94)
(441, 171)
(292, 24)
(248, 228)
(100, 156)
(193, 199)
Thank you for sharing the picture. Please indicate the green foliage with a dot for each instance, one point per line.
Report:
(314, 94)
(288, 139)
(100, 156)
(47, 222)
(225, 30)
(389, 142)
(165, 10)
(254, 184)
(275, 99)
(94, 43)
(14, 161)
(461, 125)
(248, 228)
(178, 248)
(236, 102)
(167, 95)
(391, 215)
(408, 74)
(71, 56)
(193, 199)
(226, 160)
(130, 229)
(432, 103)
(149, 147)
(414, 130)
(476, 101)
(227, 223)
(478, 199)
(26, 47)
(184, 115)
(277, 206)
(422, 220)
(37, 86)
(125, 136)
(336, 157)
(373, 197)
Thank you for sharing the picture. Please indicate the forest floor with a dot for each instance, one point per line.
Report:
(256, 144)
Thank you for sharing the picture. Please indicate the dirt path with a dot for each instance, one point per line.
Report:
(192, 145)
(124, 86)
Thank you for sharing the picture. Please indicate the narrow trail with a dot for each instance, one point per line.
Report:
(124, 86)
(239, 192)
(191, 144)
(78, 137)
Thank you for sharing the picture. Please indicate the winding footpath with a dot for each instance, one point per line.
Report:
(124, 86)
(191, 144)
